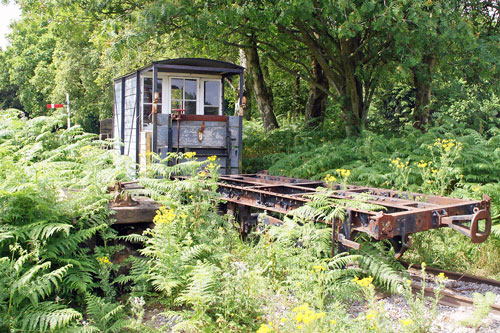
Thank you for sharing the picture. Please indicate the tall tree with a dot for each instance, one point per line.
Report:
(220, 25)
(318, 96)
(263, 95)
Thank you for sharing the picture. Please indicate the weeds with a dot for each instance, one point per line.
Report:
(54, 274)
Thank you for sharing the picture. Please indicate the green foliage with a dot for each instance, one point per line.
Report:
(422, 310)
(48, 316)
(53, 199)
(482, 307)
(105, 316)
(386, 270)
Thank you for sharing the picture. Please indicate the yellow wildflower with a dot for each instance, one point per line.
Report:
(190, 154)
(306, 315)
(422, 165)
(212, 158)
(264, 329)
(103, 260)
(330, 179)
(344, 172)
(212, 165)
(365, 282)
(406, 322)
(333, 322)
(441, 276)
(371, 314)
(202, 174)
(318, 269)
(283, 320)
(164, 216)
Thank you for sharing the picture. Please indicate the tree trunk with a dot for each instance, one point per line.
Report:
(352, 93)
(422, 79)
(296, 104)
(350, 72)
(263, 95)
(247, 90)
(317, 98)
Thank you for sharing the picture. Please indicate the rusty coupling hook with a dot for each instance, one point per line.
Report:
(456, 223)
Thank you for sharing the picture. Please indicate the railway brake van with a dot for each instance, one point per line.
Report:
(177, 105)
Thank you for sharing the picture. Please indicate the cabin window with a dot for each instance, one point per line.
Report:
(211, 99)
(147, 99)
(183, 94)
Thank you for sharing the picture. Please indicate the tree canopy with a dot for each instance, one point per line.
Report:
(307, 60)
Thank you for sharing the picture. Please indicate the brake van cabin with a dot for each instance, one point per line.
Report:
(177, 105)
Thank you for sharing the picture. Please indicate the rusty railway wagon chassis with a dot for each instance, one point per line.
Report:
(404, 214)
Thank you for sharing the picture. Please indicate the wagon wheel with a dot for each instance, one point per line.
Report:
(399, 245)
(242, 215)
(345, 231)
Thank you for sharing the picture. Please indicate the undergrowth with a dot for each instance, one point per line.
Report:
(53, 200)
(450, 160)
(57, 250)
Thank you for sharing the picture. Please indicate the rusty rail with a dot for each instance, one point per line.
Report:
(450, 299)
(452, 275)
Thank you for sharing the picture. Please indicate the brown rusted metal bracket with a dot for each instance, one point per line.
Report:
(349, 243)
(200, 132)
(456, 223)
(178, 117)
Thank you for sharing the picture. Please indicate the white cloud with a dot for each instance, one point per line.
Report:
(8, 13)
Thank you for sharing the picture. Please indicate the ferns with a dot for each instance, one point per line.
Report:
(39, 287)
(46, 218)
(48, 316)
(105, 316)
(200, 290)
(197, 252)
(382, 266)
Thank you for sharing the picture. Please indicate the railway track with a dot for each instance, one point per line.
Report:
(452, 296)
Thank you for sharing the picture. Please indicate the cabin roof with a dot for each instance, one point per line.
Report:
(192, 66)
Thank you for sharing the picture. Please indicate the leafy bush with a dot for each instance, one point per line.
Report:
(52, 200)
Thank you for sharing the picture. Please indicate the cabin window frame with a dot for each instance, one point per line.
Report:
(169, 91)
(202, 97)
(161, 106)
(166, 106)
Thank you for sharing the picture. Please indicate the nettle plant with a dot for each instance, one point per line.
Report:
(52, 199)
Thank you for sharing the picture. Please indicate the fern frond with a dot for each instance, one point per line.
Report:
(41, 286)
(383, 267)
(48, 315)
(196, 252)
(134, 238)
(201, 287)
